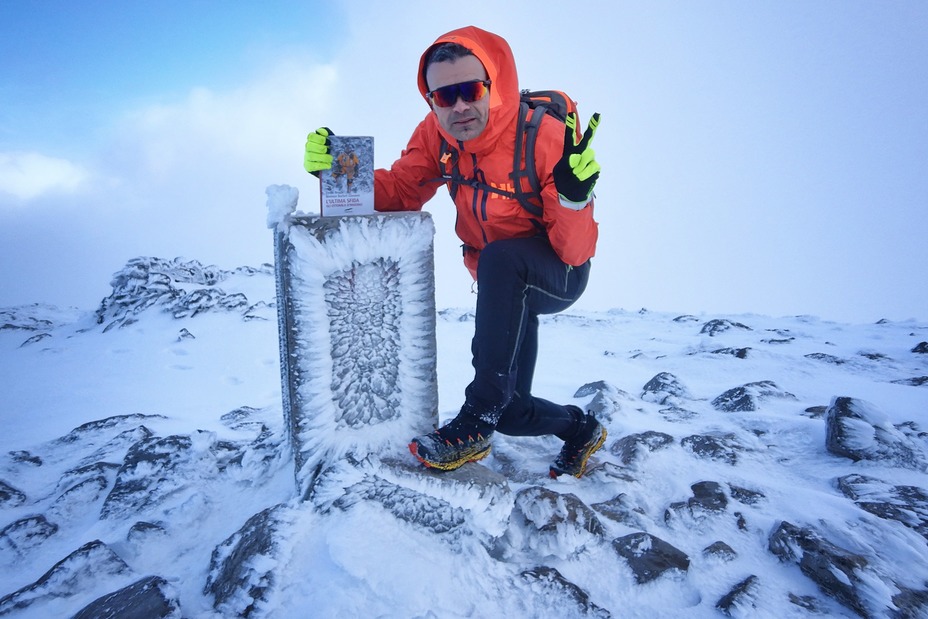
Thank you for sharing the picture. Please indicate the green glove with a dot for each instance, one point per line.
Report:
(317, 156)
(577, 171)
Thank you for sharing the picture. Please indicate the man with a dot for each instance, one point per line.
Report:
(524, 264)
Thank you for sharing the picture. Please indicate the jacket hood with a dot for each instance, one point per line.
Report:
(496, 56)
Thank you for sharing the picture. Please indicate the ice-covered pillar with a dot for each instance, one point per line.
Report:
(356, 316)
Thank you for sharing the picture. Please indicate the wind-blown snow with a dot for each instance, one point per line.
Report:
(194, 402)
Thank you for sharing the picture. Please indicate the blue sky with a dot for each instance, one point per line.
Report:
(63, 60)
(767, 157)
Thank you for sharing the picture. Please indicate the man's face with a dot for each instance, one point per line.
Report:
(463, 120)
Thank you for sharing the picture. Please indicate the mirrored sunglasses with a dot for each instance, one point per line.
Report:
(447, 96)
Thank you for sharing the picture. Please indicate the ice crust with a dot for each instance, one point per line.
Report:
(357, 303)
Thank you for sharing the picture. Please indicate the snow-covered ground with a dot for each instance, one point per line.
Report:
(193, 447)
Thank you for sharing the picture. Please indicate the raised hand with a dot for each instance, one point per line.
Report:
(576, 173)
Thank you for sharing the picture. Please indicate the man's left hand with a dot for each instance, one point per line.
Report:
(576, 173)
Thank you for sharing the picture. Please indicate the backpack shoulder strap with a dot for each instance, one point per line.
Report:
(523, 164)
(448, 158)
(533, 107)
(451, 174)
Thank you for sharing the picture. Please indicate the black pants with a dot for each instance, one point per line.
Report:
(517, 280)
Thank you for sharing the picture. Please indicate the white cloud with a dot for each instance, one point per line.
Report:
(28, 175)
(256, 124)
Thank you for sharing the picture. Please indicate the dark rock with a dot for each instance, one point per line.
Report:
(26, 533)
(10, 496)
(260, 311)
(634, 446)
(905, 504)
(38, 337)
(717, 326)
(675, 414)
(145, 469)
(248, 418)
(739, 353)
(720, 550)
(741, 522)
(236, 580)
(916, 381)
(715, 446)
(649, 557)
(572, 601)
(621, 509)
(548, 515)
(806, 602)
(25, 457)
(745, 495)
(184, 334)
(149, 598)
(748, 397)
(607, 399)
(157, 469)
(858, 430)
(24, 319)
(78, 498)
(825, 358)
(742, 597)
(664, 388)
(204, 300)
(816, 412)
(610, 471)
(708, 498)
(76, 574)
(90, 432)
(78, 475)
(115, 449)
(146, 283)
(455, 315)
(921, 348)
(836, 571)
(910, 603)
(141, 531)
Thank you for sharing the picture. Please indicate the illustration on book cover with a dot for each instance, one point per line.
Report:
(347, 188)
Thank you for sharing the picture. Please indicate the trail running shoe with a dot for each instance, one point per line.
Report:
(451, 446)
(575, 452)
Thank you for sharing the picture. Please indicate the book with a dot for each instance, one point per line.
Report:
(347, 188)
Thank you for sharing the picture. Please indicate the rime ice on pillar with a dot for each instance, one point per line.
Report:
(356, 311)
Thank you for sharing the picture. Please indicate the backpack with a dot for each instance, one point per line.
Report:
(553, 102)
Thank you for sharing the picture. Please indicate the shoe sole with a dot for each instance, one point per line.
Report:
(447, 466)
(554, 473)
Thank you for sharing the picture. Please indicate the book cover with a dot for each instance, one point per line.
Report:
(347, 188)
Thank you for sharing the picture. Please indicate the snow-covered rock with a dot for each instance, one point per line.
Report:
(181, 288)
(859, 430)
(146, 471)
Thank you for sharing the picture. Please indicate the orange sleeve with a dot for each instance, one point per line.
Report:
(410, 181)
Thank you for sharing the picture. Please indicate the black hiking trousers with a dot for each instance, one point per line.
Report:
(518, 280)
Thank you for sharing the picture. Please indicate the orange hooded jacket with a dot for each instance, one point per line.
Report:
(483, 217)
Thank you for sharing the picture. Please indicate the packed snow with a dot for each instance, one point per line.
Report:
(144, 449)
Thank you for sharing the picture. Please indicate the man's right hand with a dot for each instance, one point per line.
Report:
(317, 157)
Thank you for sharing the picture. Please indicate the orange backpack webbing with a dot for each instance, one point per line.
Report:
(540, 102)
